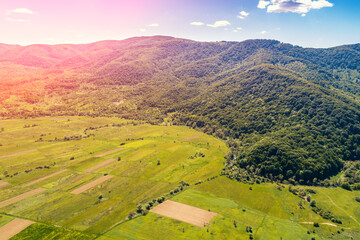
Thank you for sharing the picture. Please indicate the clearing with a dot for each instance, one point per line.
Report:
(18, 153)
(21, 197)
(185, 213)
(14, 227)
(108, 152)
(100, 165)
(91, 184)
(46, 177)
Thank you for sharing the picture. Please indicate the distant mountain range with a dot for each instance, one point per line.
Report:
(287, 112)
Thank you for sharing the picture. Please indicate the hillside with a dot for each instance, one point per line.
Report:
(287, 112)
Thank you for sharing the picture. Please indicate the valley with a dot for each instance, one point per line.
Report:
(57, 186)
(252, 140)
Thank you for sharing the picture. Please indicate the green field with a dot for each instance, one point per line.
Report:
(155, 159)
(153, 162)
(272, 214)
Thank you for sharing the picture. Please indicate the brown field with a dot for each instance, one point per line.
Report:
(46, 177)
(91, 184)
(21, 197)
(108, 152)
(3, 183)
(100, 165)
(185, 213)
(18, 153)
(14, 227)
(191, 138)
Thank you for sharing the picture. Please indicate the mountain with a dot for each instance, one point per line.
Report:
(287, 112)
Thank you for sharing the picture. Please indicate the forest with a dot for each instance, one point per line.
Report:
(288, 113)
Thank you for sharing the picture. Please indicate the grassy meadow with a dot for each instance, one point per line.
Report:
(271, 213)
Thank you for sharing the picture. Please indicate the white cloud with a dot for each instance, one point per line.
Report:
(237, 29)
(153, 25)
(16, 20)
(243, 15)
(20, 10)
(217, 24)
(142, 29)
(296, 6)
(264, 32)
(262, 4)
(197, 23)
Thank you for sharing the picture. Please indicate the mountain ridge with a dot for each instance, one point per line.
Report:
(260, 95)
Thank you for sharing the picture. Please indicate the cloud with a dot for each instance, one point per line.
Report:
(20, 10)
(16, 20)
(296, 6)
(153, 25)
(142, 29)
(217, 24)
(243, 15)
(262, 4)
(237, 29)
(264, 32)
(197, 23)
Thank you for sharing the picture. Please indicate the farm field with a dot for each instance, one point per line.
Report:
(60, 173)
(82, 178)
(271, 213)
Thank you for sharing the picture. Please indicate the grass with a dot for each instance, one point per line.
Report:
(137, 177)
(271, 213)
(155, 159)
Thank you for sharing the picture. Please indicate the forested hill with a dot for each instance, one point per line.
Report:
(286, 111)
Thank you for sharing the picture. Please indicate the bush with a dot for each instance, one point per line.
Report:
(346, 186)
(316, 224)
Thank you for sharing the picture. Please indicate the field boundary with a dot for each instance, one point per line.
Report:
(100, 165)
(91, 184)
(44, 178)
(21, 197)
(108, 152)
(184, 213)
(18, 153)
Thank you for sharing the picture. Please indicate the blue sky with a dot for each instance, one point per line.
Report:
(308, 23)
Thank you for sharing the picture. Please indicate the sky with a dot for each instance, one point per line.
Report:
(307, 23)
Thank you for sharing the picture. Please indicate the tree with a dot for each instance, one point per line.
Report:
(313, 203)
(346, 186)
(308, 197)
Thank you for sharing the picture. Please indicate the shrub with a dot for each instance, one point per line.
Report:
(346, 186)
